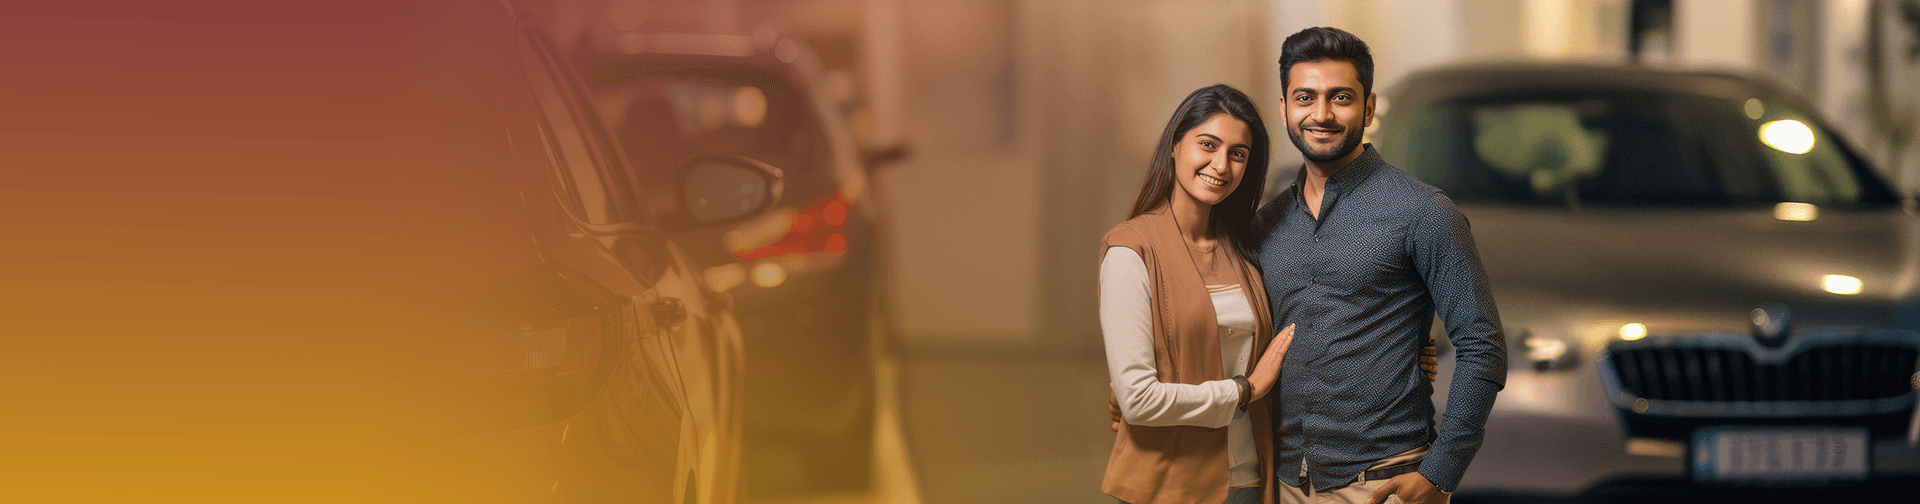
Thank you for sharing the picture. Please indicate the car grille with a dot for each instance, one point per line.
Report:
(1822, 373)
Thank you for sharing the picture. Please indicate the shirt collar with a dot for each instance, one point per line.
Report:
(1358, 171)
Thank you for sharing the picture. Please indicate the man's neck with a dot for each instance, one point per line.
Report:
(1318, 173)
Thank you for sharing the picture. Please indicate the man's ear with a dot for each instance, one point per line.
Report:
(1369, 120)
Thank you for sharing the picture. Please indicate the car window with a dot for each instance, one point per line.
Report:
(1595, 147)
(567, 139)
(673, 112)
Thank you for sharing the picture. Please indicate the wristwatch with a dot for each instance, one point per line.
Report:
(1246, 390)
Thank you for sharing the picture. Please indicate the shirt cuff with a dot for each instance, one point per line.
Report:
(1439, 472)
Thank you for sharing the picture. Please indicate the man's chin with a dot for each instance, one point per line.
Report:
(1332, 153)
(1326, 156)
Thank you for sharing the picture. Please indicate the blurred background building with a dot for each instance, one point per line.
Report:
(263, 236)
(1031, 119)
(1030, 123)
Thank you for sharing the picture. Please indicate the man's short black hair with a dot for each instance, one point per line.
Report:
(1323, 43)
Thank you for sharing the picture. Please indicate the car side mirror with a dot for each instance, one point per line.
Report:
(879, 157)
(718, 189)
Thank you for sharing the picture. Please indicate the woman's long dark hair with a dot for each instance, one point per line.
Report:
(1233, 217)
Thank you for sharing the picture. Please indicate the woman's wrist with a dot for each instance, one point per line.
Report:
(1246, 391)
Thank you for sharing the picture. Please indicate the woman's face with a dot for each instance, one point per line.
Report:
(1209, 159)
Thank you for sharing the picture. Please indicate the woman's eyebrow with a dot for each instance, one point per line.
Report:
(1217, 139)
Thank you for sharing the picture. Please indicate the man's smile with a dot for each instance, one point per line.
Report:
(1323, 132)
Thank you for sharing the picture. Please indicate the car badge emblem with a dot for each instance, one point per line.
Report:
(1771, 323)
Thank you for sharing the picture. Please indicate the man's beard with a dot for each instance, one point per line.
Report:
(1349, 140)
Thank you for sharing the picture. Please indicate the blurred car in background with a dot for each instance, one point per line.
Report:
(349, 251)
(806, 277)
(1634, 207)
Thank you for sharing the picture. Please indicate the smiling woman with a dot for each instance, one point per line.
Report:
(1178, 298)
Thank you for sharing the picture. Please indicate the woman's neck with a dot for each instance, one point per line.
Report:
(1192, 217)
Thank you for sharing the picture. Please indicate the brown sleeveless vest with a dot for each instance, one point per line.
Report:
(1184, 464)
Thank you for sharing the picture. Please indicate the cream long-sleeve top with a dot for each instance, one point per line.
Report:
(1126, 325)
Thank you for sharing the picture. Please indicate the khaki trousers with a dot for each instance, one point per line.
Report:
(1356, 493)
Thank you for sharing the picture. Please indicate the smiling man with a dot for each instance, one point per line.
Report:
(1360, 255)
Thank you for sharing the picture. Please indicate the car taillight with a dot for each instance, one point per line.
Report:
(817, 228)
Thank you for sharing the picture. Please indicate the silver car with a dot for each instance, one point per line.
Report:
(1652, 212)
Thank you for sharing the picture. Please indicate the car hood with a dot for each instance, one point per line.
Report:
(1582, 274)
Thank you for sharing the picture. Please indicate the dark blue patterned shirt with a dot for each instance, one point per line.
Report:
(1362, 284)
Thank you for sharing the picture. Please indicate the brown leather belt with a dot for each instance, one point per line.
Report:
(1392, 470)
(1377, 474)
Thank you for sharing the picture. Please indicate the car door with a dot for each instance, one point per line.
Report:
(609, 233)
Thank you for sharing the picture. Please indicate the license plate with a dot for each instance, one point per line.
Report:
(1780, 454)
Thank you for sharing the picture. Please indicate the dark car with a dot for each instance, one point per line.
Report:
(345, 252)
(1651, 211)
(806, 277)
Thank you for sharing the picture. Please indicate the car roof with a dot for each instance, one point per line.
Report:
(1454, 81)
(647, 54)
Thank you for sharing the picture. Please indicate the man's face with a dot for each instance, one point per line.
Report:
(1326, 111)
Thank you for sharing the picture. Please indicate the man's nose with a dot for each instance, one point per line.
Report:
(1321, 112)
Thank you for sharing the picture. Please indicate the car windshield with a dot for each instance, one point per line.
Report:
(1598, 147)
